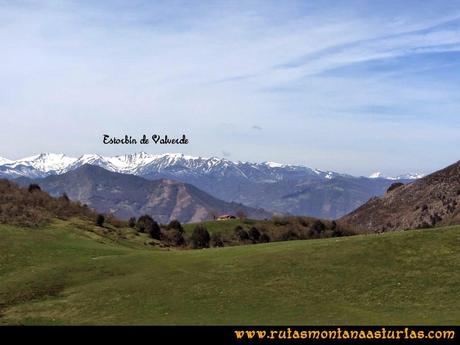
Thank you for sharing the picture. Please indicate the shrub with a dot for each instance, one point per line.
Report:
(175, 224)
(254, 234)
(289, 235)
(144, 222)
(34, 187)
(241, 215)
(303, 221)
(280, 221)
(395, 186)
(200, 237)
(100, 220)
(132, 222)
(18, 206)
(154, 231)
(264, 238)
(147, 224)
(241, 234)
(175, 237)
(318, 226)
(216, 240)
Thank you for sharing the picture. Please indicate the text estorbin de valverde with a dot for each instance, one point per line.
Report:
(154, 139)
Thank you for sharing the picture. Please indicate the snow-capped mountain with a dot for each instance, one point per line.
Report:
(409, 176)
(170, 165)
(166, 165)
(272, 186)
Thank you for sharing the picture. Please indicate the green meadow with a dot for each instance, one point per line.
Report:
(75, 273)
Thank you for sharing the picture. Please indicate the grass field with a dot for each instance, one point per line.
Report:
(68, 274)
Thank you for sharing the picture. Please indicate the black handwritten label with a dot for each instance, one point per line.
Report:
(144, 140)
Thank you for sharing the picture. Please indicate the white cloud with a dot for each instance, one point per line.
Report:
(70, 72)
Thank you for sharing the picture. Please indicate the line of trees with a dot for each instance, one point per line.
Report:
(279, 229)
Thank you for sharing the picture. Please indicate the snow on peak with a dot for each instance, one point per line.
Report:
(45, 162)
(143, 163)
(274, 165)
(377, 174)
(5, 161)
(410, 176)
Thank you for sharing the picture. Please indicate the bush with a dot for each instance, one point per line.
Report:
(241, 234)
(200, 237)
(175, 224)
(154, 231)
(144, 223)
(100, 219)
(318, 226)
(216, 240)
(280, 221)
(147, 224)
(18, 206)
(132, 222)
(175, 237)
(289, 235)
(264, 238)
(254, 234)
(34, 187)
(303, 221)
(395, 186)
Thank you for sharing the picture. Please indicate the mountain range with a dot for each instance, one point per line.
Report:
(125, 196)
(282, 188)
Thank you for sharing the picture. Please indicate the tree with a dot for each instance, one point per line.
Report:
(213, 214)
(176, 237)
(132, 222)
(175, 224)
(254, 234)
(318, 226)
(216, 240)
(241, 215)
(333, 225)
(34, 187)
(200, 237)
(144, 223)
(154, 231)
(100, 220)
(289, 235)
(264, 238)
(241, 234)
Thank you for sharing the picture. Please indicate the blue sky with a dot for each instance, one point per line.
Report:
(350, 86)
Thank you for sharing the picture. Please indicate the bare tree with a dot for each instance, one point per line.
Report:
(241, 215)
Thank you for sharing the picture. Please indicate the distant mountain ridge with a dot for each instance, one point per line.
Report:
(275, 187)
(127, 195)
(408, 176)
(143, 163)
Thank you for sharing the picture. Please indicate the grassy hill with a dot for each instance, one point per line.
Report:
(73, 273)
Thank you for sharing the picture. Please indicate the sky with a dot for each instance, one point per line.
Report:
(349, 86)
